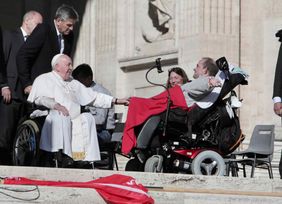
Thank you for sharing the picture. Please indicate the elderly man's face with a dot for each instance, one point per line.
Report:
(200, 70)
(64, 67)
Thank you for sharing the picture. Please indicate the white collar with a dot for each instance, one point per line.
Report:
(60, 78)
(58, 33)
(57, 76)
(23, 32)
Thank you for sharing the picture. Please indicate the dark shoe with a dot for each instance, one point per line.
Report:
(46, 159)
(67, 162)
(82, 165)
(63, 160)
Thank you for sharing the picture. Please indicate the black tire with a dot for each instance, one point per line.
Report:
(151, 164)
(26, 144)
(134, 165)
(208, 163)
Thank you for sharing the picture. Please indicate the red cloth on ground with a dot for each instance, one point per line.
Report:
(140, 109)
(115, 189)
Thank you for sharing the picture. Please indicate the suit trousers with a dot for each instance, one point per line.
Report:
(10, 114)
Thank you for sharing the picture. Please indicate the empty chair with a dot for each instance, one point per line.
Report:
(259, 152)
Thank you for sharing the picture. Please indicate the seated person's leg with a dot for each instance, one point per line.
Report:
(92, 145)
(104, 136)
(56, 133)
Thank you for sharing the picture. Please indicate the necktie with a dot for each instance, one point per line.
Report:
(25, 37)
(60, 40)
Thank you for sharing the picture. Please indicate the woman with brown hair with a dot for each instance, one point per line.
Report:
(176, 76)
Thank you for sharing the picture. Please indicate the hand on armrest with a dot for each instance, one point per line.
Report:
(61, 109)
(51, 104)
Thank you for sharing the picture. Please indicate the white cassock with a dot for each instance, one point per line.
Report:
(75, 134)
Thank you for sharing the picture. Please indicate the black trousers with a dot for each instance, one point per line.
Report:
(10, 115)
(280, 166)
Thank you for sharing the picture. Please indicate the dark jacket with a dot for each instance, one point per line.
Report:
(35, 56)
(12, 41)
(277, 87)
(2, 63)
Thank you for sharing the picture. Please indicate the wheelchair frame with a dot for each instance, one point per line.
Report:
(26, 151)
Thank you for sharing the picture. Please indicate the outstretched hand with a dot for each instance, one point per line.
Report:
(123, 101)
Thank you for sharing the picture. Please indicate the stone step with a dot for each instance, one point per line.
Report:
(164, 188)
(200, 198)
(48, 195)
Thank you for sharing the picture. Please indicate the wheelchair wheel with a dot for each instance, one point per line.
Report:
(208, 163)
(26, 144)
(154, 164)
(134, 165)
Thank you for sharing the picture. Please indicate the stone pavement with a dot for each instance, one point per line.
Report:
(164, 188)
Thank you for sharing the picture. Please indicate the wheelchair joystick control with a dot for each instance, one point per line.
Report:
(159, 65)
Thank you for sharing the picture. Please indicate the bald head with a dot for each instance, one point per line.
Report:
(30, 20)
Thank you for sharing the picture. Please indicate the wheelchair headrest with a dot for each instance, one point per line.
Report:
(222, 64)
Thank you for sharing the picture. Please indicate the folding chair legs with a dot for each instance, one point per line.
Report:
(244, 170)
(233, 168)
(115, 160)
(270, 170)
(253, 166)
(253, 169)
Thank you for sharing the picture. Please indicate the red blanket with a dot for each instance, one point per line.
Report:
(140, 109)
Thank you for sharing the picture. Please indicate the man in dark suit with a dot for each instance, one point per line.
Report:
(11, 102)
(2, 63)
(277, 86)
(277, 89)
(34, 57)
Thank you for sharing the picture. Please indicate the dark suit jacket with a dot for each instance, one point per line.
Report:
(35, 56)
(2, 63)
(277, 87)
(12, 41)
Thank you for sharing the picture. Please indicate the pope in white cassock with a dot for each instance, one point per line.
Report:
(64, 97)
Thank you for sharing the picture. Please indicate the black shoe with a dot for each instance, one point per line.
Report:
(67, 162)
(82, 165)
(63, 160)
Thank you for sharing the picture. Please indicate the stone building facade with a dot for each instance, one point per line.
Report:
(122, 38)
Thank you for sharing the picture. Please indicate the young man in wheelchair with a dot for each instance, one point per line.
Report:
(205, 121)
(184, 97)
(67, 128)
